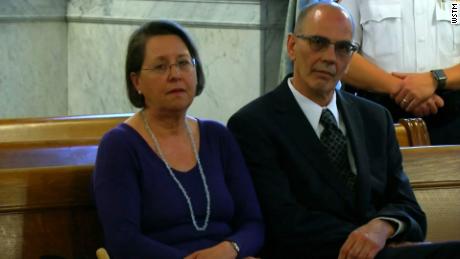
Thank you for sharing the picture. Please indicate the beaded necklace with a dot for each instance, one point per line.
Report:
(184, 192)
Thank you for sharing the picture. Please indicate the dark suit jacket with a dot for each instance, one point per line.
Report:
(307, 208)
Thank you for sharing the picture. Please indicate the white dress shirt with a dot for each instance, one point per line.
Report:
(312, 112)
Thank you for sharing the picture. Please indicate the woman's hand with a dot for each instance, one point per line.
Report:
(222, 250)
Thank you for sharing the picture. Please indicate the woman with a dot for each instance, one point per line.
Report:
(168, 185)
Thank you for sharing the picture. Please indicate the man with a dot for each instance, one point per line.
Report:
(326, 191)
(417, 38)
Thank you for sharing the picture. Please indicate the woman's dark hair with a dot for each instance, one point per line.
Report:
(136, 53)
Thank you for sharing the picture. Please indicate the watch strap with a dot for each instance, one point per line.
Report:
(440, 77)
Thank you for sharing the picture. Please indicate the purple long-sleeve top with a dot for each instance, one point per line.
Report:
(144, 213)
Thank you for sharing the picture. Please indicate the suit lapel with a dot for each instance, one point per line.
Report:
(297, 127)
(355, 132)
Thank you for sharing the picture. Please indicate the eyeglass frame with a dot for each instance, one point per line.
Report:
(164, 71)
(309, 38)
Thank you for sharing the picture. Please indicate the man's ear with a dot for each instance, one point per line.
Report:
(290, 45)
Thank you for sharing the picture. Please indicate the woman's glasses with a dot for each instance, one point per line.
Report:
(185, 65)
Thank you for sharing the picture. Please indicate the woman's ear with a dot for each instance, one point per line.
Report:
(135, 81)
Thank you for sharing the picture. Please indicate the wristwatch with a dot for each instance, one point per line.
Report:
(440, 78)
(235, 246)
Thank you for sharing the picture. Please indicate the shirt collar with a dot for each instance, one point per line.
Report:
(312, 110)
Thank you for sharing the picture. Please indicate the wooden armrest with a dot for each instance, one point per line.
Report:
(402, 135)
(417, 131)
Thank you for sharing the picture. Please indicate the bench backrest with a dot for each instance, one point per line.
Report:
(37, 156)
(434, 173)
(88, 130)
(53, 131)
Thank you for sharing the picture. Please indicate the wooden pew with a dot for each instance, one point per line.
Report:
(45, 197)
(57, 131)
(434, 173)
(412, 132)
(46, 204)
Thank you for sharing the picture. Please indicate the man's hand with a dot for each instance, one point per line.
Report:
(430, 106)
(424, 108)
(415, 89)
(222, 250)
(367, 240)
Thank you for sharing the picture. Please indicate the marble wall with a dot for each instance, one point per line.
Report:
(72, 60)
(227, 33)
(33, 58)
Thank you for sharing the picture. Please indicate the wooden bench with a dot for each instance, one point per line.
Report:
(412, 132)
(57, 131)
(434, 173)
(46, 206)
(45, 197)
(48, 210)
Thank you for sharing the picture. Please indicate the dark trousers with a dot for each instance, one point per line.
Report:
(443, 127)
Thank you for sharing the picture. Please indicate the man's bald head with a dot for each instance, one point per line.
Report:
(315, 9)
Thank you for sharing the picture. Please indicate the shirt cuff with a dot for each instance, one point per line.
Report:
(399, 223)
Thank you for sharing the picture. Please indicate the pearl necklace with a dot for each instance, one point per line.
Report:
(184, 192)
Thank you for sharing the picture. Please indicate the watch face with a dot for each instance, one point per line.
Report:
(440, 78)
(439, 75)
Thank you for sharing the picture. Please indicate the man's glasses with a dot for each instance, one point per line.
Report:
(185, 65)
(342, 48)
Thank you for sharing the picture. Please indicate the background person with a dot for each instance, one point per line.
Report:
(409, 62)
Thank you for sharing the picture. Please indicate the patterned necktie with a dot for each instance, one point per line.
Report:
(336, 145)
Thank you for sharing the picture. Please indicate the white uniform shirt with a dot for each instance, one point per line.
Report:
(406, 35)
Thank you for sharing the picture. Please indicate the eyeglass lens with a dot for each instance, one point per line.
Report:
(183, 65)
(318, 43)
